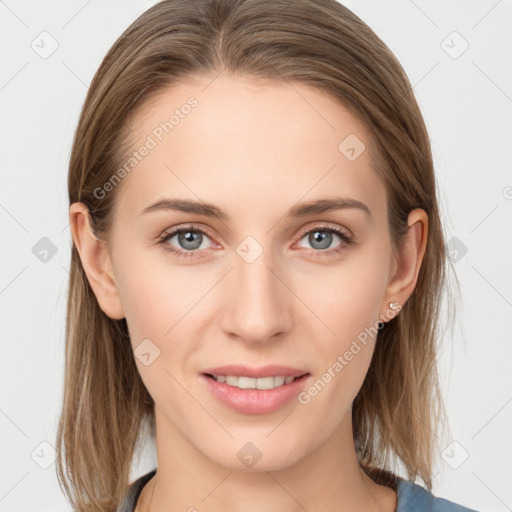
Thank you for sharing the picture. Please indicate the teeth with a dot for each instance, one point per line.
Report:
(253, 383)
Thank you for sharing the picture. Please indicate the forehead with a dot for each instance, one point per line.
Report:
(249, 141)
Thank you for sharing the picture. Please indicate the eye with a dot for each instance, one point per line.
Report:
(321, 238)
(188, 240)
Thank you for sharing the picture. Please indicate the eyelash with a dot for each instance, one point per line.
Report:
(345, 238)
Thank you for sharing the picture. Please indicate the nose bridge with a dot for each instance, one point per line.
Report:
(258, 306)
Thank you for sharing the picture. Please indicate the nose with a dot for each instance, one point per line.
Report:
(258, 302)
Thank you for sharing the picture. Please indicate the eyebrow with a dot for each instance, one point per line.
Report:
(300, 210)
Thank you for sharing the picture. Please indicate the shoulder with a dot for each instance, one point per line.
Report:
(414, 498)
(133, 491)
(410, 497)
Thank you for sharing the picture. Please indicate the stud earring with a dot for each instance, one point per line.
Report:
(394, 305)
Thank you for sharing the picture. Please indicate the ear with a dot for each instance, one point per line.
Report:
(406, 266)
(95, 261)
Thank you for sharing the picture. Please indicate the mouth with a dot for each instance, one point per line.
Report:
(244, 382)
(251, 390)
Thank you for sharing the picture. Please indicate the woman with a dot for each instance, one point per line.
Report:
(257, 268)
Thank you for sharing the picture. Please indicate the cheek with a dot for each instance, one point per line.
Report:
(347, 298)
(156, 308)
(161, 302)
(154, 296)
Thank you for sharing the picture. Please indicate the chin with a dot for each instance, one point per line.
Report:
(254, 456)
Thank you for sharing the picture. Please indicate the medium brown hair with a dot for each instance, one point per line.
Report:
(315, 42)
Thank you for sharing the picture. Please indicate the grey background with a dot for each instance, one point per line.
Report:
(466, 98)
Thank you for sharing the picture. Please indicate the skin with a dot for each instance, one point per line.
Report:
(254, 149)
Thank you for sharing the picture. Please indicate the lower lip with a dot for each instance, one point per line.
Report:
(254, 401)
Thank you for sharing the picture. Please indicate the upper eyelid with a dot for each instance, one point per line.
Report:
(190, 227)
(325, 226)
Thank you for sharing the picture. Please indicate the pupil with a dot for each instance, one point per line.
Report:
(324, 239)
(190, 237)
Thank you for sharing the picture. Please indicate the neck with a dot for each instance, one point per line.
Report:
(328, 478)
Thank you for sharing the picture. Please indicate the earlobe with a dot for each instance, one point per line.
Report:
(410, 257)
(95, 261)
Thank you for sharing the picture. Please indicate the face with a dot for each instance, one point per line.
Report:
(256, 279)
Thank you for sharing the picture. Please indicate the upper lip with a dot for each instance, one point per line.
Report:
(239, 370)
